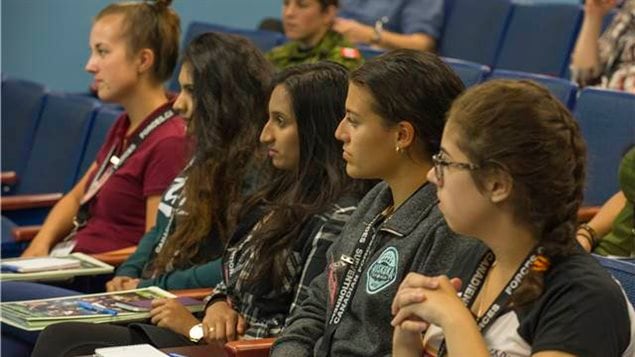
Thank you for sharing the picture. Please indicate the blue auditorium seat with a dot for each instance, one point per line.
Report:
(263, 39)
(470, 73)
(21, 105)
(474, 30)
(607, 120)
(102, 123)
(57, 147)
(369, 52)
(563, 89)
(623, 271)
(10, 248)
(540, 38)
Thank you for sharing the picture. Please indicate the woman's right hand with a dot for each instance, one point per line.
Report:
(599, 8)
(222, 323)
(35, 249)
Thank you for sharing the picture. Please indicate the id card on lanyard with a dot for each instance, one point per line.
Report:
(354, 267)
(499, 304)
(107, 168)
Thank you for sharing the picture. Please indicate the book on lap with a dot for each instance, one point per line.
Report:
(34, 265)
(49, 268)
(33, 315)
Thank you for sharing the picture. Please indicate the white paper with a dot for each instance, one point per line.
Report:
(31, 265)
(143, 350)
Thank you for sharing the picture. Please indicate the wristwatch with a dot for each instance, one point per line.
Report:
(196, 333)
(378, 29)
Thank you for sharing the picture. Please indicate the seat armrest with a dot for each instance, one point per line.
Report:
(115, 257)
(8, 178)
(587, 213)
(25, 233)
(199, 294)
(13, 203)
(249, 348)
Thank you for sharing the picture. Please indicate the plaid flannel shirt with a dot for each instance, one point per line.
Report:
(265, 310)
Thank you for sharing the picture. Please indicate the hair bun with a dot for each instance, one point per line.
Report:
(162, 4)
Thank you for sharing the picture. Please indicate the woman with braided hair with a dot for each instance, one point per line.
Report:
(511, 172)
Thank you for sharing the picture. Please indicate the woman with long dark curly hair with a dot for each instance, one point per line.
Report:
(283, 230)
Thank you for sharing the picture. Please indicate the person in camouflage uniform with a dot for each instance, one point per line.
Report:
(307, 24)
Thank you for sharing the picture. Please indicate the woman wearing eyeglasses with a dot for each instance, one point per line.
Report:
(395, 112)
(511, 172)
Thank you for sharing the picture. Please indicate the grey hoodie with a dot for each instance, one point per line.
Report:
(416, 238)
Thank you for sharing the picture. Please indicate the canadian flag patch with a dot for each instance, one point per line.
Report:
(350, 52)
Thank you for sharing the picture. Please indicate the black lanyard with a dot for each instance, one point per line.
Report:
(103, 175)
(476, 283)
(354, 268)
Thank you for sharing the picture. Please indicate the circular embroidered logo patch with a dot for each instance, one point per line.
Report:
(383, 271)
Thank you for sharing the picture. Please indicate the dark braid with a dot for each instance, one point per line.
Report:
(521, 128)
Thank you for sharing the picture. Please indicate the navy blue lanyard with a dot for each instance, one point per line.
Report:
(476, 283)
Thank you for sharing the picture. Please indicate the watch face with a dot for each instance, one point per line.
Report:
(196, 332)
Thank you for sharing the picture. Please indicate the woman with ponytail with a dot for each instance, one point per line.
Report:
(511, 172)
(133, 50)
(134, 47)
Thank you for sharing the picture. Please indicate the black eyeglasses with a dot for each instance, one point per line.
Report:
(439, 162)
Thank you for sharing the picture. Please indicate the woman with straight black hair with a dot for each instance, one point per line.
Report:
(283, 232)
(395, 113)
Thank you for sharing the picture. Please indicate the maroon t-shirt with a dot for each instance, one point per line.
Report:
(118, 211)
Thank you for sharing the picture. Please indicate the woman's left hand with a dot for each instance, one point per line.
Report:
(425, 300)
(130, 284)
(171, 314)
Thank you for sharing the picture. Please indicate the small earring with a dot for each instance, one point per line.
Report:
(398, 149)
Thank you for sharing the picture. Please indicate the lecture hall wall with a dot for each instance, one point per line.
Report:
(47, 40)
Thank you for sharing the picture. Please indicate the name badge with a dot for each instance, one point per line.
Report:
(63, 248)
(114, 160)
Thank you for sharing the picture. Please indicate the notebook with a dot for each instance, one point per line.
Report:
(52, 268)
(146, 305)
(33, 265)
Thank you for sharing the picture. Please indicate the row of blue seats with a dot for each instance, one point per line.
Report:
(607, 119)
(49, 139)
(535, 37)
(42, 130)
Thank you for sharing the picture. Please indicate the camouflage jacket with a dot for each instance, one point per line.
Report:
(332, 47)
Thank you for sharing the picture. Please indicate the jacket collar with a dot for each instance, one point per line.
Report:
(408, 216)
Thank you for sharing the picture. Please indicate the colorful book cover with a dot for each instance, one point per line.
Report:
(34, 315)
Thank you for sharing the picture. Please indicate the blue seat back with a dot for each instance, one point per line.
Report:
(58, 144)
(369, 52)
(470, 73)
(104, 120)
(607, 120)
(9, 247)
(563, 89)
(474, 30)
(263, 39)
(623, 271)
(21, 106)
(540, 38)
(608, 19)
